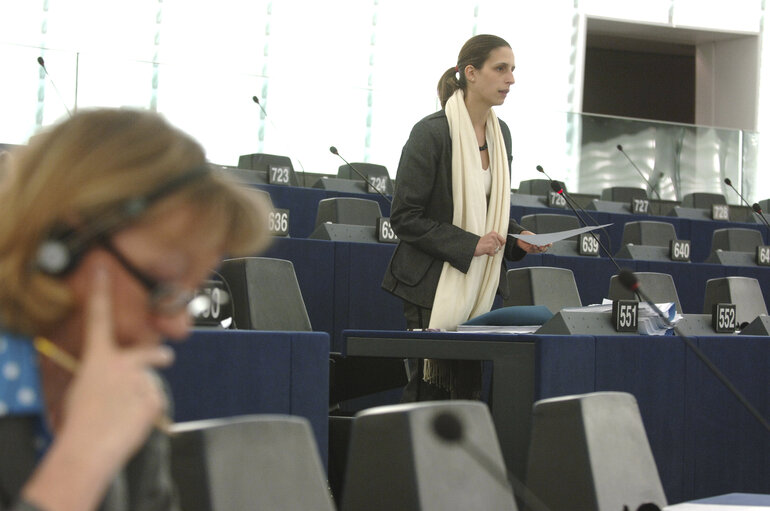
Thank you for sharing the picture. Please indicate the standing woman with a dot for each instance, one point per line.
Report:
(451, 212)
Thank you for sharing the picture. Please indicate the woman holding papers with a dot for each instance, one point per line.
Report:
(451, 212)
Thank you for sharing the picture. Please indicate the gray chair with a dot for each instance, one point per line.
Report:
(734, 246)
(347, 219)
(590, 452)
(262, 162)
(543, 223)
(265, 294)
(536, 187)
(702, 200)
(646, 240)
(398, 460)
(250, 462)
(375, 173)
(543, 285)
(744, 292)
(659, 287)
(624, 194)
(648, 232)
(348, 210)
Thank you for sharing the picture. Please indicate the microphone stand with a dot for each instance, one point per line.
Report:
(652, 189)
(334, 151)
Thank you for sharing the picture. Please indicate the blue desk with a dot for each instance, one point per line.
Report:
(302, 204)
(340, 281)
(703, 441)
(223, 373)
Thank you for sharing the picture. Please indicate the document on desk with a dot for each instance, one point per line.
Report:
(551, 237)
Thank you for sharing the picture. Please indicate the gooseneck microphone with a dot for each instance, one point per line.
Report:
(334, 151)
(448, 428)
(629, 281)
(556, 187)
(64, 103)
(758, 211)
(255, 99)
(754, 207)
(652, 188)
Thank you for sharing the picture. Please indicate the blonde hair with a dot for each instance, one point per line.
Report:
(88, 166)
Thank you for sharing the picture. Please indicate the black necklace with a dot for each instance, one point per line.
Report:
(483, 147)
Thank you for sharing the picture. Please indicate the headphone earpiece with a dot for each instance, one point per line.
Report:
(60, 252)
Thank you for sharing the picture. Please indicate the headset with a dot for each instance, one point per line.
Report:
(64, 246)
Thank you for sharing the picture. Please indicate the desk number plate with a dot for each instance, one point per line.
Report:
(763, 255)
(377, 184)
(385, 232)
(556, 200)
(588, 245)
(278, 175)
(278, 222)
(723, 318)
(720, 212)
(625, 315)
(640, 206)
(679, 250)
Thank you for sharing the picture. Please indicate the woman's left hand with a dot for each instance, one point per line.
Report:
(530, 248)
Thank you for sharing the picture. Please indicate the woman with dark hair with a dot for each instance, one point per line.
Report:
(451, 212)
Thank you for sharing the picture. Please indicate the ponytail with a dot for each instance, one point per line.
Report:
(449, 83)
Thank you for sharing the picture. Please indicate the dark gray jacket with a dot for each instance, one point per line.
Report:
(144, 484)
(422, 212)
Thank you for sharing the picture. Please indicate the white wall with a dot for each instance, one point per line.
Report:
(352, 73)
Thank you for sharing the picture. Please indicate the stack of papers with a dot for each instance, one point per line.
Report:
(498, 329)
(649, 321)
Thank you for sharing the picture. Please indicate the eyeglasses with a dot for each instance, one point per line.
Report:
(165, 299)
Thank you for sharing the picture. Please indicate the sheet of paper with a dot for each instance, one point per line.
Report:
(545, 239)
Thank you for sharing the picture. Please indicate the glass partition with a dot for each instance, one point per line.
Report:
(673, 159)
(217, 108)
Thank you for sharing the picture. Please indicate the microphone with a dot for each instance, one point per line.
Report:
(556, 187)
(755, 207)
(255, 99)
(42, 64)
(652, 189)
(334, 151)
(629, 280)
(447, 426)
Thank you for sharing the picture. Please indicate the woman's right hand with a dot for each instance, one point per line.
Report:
(110, 407)
(489, 244)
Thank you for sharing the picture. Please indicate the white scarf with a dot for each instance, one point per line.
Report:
(461, 296)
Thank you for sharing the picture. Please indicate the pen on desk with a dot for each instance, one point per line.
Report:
(66, 361)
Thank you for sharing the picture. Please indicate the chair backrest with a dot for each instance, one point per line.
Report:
(648, 232)
(250, 462)
(744, 292)
(543, 223)
(702, 200)
(348, 210)
(623, 194)
(543, 285)
(398, 459)
(265, 294)
(263, 162)
(590, 452)
(659, 287)
(376, 174)
(536, 187)
(736, 239)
